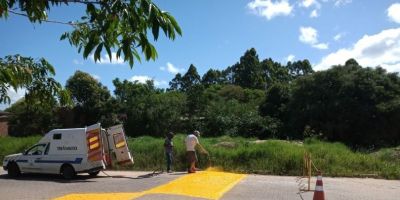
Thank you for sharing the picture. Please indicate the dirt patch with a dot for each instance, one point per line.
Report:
(228, 145)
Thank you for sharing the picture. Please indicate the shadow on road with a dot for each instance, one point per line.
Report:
(50, 178)
(149, 175)
(179, 173)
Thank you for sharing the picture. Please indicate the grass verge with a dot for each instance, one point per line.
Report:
(251, 156)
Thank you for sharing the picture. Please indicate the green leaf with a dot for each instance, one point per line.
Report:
(118, 53)
(97, 54)
(88, 48)
(174, 23)
(137, 56)
(64, 36)
(155, 29)
(108, 51)
(154, 54)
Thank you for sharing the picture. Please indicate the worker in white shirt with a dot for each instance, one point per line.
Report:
(191, 142)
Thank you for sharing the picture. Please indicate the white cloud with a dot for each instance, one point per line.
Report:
(290, 58)
(381, 49)
(338, 36)
(393, 12)
(309, 35)
(140, 79)
(321, 46)
(342, 2)
(308, 3)
(143, 79)
(171, 68)
(314, 13)
(270, 9)
(105, 59)
(77, 62)
(160, 83)
(14, 97)
(95, 76)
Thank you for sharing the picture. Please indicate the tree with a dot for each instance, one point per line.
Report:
(148, 110)
(31, 118)
(299, 68)
(248, 73)
(211, 77)
(36, 76)
(91, 99)
(190, 78)
(106, 25)
(276, 100)
(274, 109)
(176, 83)
(230, 117)
(358, 106)
(274, 72)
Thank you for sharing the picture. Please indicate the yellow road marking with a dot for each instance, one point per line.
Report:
(101, 196)
(207, 184)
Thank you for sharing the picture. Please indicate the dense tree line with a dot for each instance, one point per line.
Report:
(252, 98)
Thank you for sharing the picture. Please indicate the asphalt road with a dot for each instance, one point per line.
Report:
(142, 185)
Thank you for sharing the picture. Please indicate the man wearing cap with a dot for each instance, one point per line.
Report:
(191, 142)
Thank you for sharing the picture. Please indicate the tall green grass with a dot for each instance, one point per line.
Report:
(11, 145)
(243, 155)
(270, 157)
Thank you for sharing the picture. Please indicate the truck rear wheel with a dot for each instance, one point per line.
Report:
(13, 169)
(95, 173)
(67, 171)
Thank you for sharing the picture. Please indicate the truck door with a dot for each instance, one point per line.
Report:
(32, 157)
(118, 146)
(94, 143)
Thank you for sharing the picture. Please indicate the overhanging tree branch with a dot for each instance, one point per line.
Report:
(49, 21)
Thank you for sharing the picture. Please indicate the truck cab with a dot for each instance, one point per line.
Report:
(72, 151)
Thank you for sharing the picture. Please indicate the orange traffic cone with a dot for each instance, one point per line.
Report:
(319, 189)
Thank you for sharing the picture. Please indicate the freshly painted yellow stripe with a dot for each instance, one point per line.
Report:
(99, 196)
(93, 146)
(93, 139)
(209, 184)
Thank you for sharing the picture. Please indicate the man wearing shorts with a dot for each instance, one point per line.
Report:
(191, 142)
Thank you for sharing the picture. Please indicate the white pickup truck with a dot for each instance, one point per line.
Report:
(71, 151)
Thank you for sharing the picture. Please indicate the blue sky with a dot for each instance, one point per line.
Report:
(217, 32)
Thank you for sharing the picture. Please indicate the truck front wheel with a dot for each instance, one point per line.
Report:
(67, 171)
(13, 169)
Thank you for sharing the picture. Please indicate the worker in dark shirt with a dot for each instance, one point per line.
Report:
(168, 146)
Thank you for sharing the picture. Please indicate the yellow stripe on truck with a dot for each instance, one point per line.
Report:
(93, 146)
(119, 145)
(93, 139)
